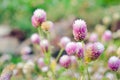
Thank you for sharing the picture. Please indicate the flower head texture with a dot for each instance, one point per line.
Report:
(38, 17)
(107, 36)
(64, 41)
(35, 38)
(65, 61)
(71, 48)
(79, 50)
(114, 63)
(79, 29)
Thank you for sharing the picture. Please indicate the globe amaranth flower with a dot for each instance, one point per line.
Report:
(93, 37)
(93, 51)
(79, 50)
(79, 29)
(71, 48)
(44, 45)
(47, 25)
(64, 41)
(65, 61)
(35, 38)
(38, 17)
(114, 63)
(107, 36)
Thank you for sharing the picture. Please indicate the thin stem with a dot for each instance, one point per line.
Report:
(59, 54)
(88, 74)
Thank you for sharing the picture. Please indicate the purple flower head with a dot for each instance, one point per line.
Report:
(63, 42)
(35, 38)
(71, 48)
(65, 61)
(40, 15)
(44, 45)
(79, 29)
(79, 50)
(97, 50)
(114, 63)
(93, 37)
(41, 62)
(107, 36)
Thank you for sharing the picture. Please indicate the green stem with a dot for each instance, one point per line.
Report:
(59, 54)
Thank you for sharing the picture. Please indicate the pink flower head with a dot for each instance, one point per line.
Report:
(114, 63)
(97, 50)
(71, 48)
(79, 50)
(107, 36)
(79, 29)
(93, 37)
(38, 17)
(44, 45)
(35, 38)
(64, 41)
(65, 61)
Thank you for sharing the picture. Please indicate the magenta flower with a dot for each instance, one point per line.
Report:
(79, 30)
(38, 17)
(107, 36)
(65, 61)
(64, 41)
(93, 37)
(44, 45)
(79, 50)
(114, 63)
(41, 62)
(71, 48)
(97, 50)
(35, 38)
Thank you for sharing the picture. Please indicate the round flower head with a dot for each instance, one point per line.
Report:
(79, 29)
(40, 15)
(35, 38)
(65, 61)
(64, 41)
(97, 49)
(71, 48)
(47, 26)
(93, 37)
(44, 44)
(114, 63)
(79, 50)
(107, 36)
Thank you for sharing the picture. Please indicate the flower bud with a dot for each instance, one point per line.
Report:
(35, 38)
(71, 48)
(79, 29)
(114, 63)
(47, 26)
(65, 61)
(64, 41)
(44, 45)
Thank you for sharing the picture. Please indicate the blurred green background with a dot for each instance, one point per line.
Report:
(17, 13)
